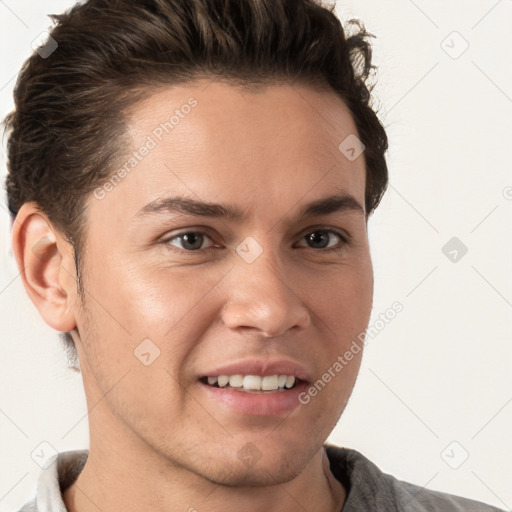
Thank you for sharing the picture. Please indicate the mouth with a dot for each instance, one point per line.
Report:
(266, 384)
(256, 387)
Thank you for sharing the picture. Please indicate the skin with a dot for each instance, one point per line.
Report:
(156, 441)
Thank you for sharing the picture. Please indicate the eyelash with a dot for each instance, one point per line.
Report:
(344, 241)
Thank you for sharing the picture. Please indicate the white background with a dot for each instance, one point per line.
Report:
(440, 371)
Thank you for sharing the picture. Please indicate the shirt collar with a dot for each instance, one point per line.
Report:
(58, 473)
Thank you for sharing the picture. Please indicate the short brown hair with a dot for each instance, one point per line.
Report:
(69, 118)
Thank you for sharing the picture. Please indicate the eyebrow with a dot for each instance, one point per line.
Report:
(331, 204)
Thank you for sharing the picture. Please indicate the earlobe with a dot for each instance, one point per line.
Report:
(43, 257)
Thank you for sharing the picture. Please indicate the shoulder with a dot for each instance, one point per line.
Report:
(368, 488)
(422, 500)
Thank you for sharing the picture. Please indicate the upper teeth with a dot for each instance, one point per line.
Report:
(267, 383)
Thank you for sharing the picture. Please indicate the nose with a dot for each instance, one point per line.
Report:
(261, 298)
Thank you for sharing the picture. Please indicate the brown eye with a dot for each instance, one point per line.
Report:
(189, 241)
(324, 239)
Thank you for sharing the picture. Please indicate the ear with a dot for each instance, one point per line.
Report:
(46, 264)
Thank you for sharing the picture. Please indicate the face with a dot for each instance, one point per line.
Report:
(277, 280)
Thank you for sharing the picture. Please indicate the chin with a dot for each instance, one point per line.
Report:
(269, 469)
(254, 477)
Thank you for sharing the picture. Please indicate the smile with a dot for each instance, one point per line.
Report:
(252, 383)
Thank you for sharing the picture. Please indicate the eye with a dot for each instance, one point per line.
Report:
(189, 240)
(325, 239)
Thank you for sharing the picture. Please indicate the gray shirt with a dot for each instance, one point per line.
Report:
(368, 488)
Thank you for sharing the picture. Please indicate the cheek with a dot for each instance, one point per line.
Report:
(148, 315)
(145, 324)
(344, 302)
(150, 301)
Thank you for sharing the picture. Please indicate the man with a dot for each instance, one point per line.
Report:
(190, 183)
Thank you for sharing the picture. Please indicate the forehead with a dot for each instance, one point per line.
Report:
(217, 141)
(222, 114)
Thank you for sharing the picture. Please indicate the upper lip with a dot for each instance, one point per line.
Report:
(261, 368)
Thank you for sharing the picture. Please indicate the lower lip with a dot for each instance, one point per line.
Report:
(257, 404)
